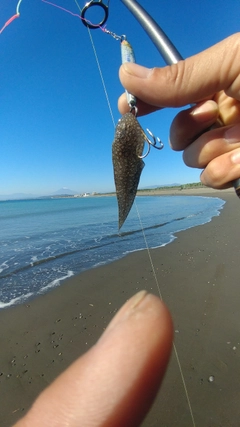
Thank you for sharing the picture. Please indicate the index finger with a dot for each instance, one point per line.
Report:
(115, 382)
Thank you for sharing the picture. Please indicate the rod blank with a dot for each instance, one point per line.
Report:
(165, 47)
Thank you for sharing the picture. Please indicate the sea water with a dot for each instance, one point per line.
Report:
(43, 242)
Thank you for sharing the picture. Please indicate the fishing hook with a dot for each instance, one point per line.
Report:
(152, 143)
(155, 140)
(88, 6)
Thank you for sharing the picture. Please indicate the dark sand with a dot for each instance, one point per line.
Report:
(199, 279)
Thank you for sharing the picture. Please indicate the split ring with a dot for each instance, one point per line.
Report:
(91, 4)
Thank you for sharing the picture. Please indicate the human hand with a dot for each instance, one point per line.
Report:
(115, 382)
(212, 80)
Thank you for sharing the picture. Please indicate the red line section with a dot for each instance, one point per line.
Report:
(9, 22)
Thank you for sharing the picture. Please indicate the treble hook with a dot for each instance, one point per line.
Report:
(95, 3)
(155, 139)
(152, 143)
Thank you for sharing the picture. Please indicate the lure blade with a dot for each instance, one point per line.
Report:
(127, 146)
(127, 55)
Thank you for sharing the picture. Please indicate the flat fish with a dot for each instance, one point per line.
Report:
(127, 146)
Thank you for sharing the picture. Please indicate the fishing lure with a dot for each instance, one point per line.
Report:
(127, 148)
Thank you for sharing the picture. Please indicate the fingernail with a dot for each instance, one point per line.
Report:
(232, 134)
(137, 299)
(137, 70)
(202, 179)
(235, 157)
(205, 111)
(130, 307)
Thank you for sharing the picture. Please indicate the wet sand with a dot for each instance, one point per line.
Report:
(199, 280)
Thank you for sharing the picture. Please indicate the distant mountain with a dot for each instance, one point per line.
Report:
(23, 196)
(64, 191)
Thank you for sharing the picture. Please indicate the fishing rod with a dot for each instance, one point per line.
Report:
(163, 44)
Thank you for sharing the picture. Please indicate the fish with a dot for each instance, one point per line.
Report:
(127, 149)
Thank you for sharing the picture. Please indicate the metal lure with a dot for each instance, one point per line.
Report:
(127, 55)
(127, 151)
(127, 148)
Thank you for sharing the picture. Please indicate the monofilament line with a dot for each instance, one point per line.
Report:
(100, 70)
(140, 221)
(160, 295)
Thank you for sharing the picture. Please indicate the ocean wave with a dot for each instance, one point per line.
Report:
(4, 266)
(88, 246)
(151, 227)
(16, 300)
(56, 282)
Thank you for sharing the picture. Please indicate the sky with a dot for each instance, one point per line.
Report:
(56, 128)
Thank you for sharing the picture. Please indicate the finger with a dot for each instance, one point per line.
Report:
(143, 108)
(192, 122)
(188, 81)
(221, 171)
(115, 382)
(229, 108)
(211, 145)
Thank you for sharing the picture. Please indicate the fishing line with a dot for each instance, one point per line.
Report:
(62, 8)
(18, 5)
(73, 14)
(144, 236)
(160, 295)
(17, 14)
(99, 69)
(93, 47)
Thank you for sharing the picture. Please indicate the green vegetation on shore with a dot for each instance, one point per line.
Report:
(189, 186)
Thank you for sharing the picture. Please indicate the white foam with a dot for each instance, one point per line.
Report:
(3, 266)
(15, 300)
(56, 282)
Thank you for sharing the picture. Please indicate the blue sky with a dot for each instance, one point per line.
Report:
(55, 124)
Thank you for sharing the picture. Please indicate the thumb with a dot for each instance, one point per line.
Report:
(189, 81)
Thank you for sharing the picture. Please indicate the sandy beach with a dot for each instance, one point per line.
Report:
(199, 281)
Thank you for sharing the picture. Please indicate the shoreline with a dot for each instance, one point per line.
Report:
(198, 276)
(199, 192)
(145, 192)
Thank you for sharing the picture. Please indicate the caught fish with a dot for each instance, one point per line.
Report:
(127, 150)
